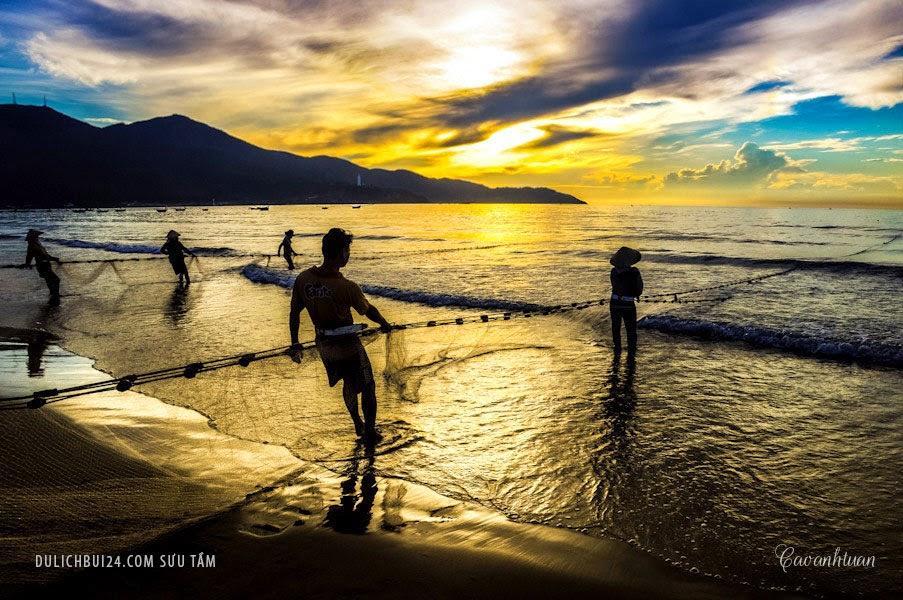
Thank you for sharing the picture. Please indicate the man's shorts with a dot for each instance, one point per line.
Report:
(345, 359)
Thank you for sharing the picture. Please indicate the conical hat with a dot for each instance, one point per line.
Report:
(625, 257)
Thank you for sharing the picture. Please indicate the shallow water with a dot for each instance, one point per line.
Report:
(771, 416)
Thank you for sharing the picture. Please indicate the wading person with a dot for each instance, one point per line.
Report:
(42, 260)
(329, 298)
(176, 252)
(626, 287)
(285, 249)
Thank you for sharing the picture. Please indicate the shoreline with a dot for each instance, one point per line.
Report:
(286, 511)
(454, 551)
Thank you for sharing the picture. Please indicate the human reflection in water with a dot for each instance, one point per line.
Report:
(354, 511)
(37, 346)
(612, 461)
(177, 307)
(620, 406)
(38, 339)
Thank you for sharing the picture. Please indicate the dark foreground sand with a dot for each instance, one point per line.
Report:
(126, 474)
(315, 563)
(417, 545)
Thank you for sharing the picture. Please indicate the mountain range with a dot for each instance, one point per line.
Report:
(48, 159)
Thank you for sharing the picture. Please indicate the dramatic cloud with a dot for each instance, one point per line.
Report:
(555, 135)
(508, 92)
(750, 165)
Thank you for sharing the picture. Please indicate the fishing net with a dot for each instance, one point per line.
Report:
(133, 319)
(425, 376)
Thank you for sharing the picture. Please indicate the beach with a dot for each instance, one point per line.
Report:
(520, 458)
(143, 478)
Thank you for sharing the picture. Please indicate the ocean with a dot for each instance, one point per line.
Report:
(757, 416)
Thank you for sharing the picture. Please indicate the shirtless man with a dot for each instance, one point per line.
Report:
(329, 298)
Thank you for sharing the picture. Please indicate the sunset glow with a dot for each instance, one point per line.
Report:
(784, 102)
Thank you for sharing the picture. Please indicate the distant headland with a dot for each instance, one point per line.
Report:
(48, 159)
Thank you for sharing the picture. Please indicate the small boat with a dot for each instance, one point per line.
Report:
(181, 209)
(81, 210)
(120, 210)
(325, 207)
(205, 209)
(355, 206)
(100, 210)
(161, 210)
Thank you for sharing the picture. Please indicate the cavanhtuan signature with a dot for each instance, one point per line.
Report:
(788, 557)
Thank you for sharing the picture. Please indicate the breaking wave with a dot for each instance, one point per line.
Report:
(832, 266)
(374, 236)
(122, 248)
(689, 237)
(259, 274)
(861, 350)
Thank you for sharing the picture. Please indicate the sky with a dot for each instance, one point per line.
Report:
(784, 102)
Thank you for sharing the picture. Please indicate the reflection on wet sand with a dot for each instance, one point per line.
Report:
(36, 339)
(617, 417)
(619, 408)
(354, 511)
(178, 306)
(37, 346)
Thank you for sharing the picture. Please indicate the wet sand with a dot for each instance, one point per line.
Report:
(108, 471)
(472, 554)
(127, 474)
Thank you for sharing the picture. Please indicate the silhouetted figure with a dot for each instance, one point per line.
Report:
(42, 260)
(329, 298)
(626, 287)
(176, 252)
(285, 249)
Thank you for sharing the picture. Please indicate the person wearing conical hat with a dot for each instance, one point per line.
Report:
(285, 249)
(176, 252)
(626, 287)
(42, 260)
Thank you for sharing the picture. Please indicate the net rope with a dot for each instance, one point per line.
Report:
(191, 370)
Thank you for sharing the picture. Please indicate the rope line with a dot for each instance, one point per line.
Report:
(191, 370)
(720, 286)
(139, 258)
(886, 242)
